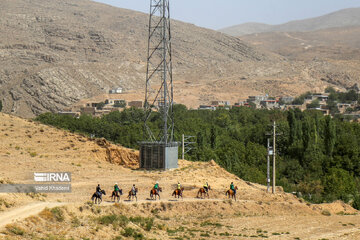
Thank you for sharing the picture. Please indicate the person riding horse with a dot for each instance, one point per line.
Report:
(116, 190)
(133, 190)
(98, 191)
(232, 187)
(179, 187)
(156, 187)
(206, 187)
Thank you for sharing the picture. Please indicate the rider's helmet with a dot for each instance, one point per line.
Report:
(157, 182)
(134, 185)
(116, 184)
(232, 183)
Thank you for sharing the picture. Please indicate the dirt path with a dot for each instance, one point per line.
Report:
(25, 211)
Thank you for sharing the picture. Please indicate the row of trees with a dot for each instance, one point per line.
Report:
(318, 156)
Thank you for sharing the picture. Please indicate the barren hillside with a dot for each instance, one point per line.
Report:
(343, 18)
(335, 43)
(26, 147)
(55, 53)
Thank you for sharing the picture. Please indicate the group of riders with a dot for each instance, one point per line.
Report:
(179, 189)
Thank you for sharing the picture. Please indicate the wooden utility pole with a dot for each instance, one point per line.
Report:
(274, 154)
(268, 165)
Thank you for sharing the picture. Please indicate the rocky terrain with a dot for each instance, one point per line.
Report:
(343, 18)
(55, 53)
(338, 44)
(28, 147)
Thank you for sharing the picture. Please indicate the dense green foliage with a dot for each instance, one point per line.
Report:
(318, 156)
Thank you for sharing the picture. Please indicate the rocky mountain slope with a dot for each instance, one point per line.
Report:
(334, 43)
(54, 53)
(343, 18)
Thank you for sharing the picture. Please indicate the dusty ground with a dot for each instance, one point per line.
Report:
(26, 147)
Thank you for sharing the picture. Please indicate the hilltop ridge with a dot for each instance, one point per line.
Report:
(343, 18)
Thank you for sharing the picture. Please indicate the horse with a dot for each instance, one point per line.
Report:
(178, 193)
(133, 195)
(231, 193)
(96, 198)
(116, 195)
(202, 192)
(155, 193)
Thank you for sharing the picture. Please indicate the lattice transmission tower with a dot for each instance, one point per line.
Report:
(159, 85)
(159, 91)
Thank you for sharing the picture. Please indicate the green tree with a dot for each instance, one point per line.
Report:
(313, 104)
(339, 184)
(100, 105)
(329, 136)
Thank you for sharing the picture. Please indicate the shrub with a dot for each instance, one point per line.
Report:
(145, 223)
(115, 220)
(58, 214)
(15, 229)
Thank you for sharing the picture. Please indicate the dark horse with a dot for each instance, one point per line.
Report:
(116, 195)
(155, 193)
(97, 198)
(231, 193)
(178, 193)
(132, 194)
(202, 192)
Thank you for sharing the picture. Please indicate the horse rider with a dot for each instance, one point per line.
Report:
(156, 187)
(98, 190)
(206, 187)
(133, 190)
(116, 189)
(232, 187)
(179, 187)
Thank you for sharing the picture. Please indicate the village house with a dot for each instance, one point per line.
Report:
(116, 90)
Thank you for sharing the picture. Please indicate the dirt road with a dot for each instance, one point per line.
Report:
(25, 211)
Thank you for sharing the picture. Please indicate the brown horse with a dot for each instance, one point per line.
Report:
(178, 193)
(155, 193)
(202, 192)
(132, 194)
(231, 193)
(116, 195)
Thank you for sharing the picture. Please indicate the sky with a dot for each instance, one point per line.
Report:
(217, 14)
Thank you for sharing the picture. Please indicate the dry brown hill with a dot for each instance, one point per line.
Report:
(26, 147)
(344, 18)
(54, 53)
(334, 43)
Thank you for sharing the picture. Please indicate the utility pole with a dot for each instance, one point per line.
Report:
(271, 151)
(268, 166)
(274, 154)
